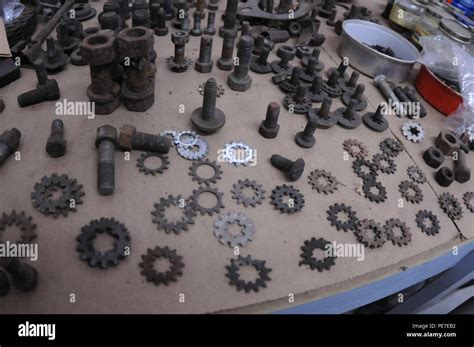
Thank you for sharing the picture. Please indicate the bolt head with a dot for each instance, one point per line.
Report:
(225, 64)
(56, 146)
(296, 170)
(106, 132)
(239, 84)
(268, 133)
(304, 141)
(161, 31)
(126, 137)
(180, 37)
(208, 126)
(203, 67)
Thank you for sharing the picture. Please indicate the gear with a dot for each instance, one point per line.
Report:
(86, 243)
(313, 262)
(329, 185)
(368, 185)
(295, 201)
(147, 171)
(355, 149)
(390, 166)
(220, 89)
(234, 275)
(468, 199)
(416, 174)
(258, 193)
(391, 225)
(357, 166)
(432, 229)
(405, 187)
(161, 277)
(176, 226)
(21, 221)
(350, 217)
(413, 131)
(196, 151)
(238, 153)
(364, 227)
(179, 67)
(204, 210)
(391, 147)
(205, 180)
(451, 206)
(71, 193)
(243, 238)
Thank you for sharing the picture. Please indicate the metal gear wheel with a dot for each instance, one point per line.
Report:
(161, 277)
(205, 180)
(238, 194)
(176, 226)
(432, 229)
(243, 238)
(295, 199)
(468, 199)
(451, 206)
(21, 221)
(413, 131)
(416, 174)
(71, 193)
(357, 166)
(196, 151)
(390, 227)
(366, 226)
(367, 187)
(88, 234)
(390, 167)
(391, 147)
(313, 262)
(350, 220)
(220, 89)
(415, 197)
(146, 170)
(238, 153)
(205, 210)
(329, 184)
(234, 275)
(355, 148)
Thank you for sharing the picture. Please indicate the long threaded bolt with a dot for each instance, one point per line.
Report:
(4, 283)
(56, 144)
(350, 109)
(209, 99)
(197, 31)
(358, 92)
(333, 78)
(208, 118)
(211, 18)
(316, 85)
(161, 29)
(269, 127)
(293, 169)
(352, 83)
(230, 17)
(24, 276)
(106, 142)
(9, 143)
(131, 139)
(306, 137)
(239, 79)
(263, 57)
(141, 18)
(383, 86)
(311, 67)
(300, 94)
(411, 94)
(296, 75)
(204, 62)
(325, 108)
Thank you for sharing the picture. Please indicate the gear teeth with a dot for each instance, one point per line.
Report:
(157, 277)
(379, 158)
(163, 223)
(221, 232)
(238, 195)
(333, 213)
(331, 182)
(366, 226)
(20, 220)
(432, 230)
(230, 156)
(292, 193)
(313, 262)
(468, 199)
(391, 147)
(187, 152)
(247, 286)
(416, 174)
(204, 180)
(203, 210)
(349, 146)
(367, 186)
(389, 228)
(451, 206)
(357, 167)
(147, 171)
(405, 188)
(413, 131)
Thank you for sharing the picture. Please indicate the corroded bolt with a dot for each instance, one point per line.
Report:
(167, 6)
(154, 9)
(245, 28)
(9, 143)
(208, 118)
(300, 94)
(383, 86)
(24, 276)
(225, 62)
(4, 283)
(269, 127)
(462, 172)
(296, 75)
(306, 137)
(204, 62)
(56, 144)
(352, 82)
(200, 6)
(161, 29)
(239, 79)
(360, 89)
(325, 108)
(179, 38)
(332, 81)
(213, 5)
(109, 20)
(196, 30)
(106, 142)
(139, 5)
(230, 17)
(210, 29)
(131, 139)
(316, 85)
(411, 94)
(185, 23)
(293, 169)
(124, 9)
(141, 18)
(311, 67)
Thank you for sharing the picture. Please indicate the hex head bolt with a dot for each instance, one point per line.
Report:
(4, 283)
(106, 142)
(24, 276)
(9, 143)
(269, 127)
(316, 94)
(161, 29)
(375, 120)
(357, 96)
(462, 173)
(208, 118)
(109, 20)
(131, 139)
(230, 17)
(260, 64)
(56, 144)
(306, 137)
(348, 117)
(351, 84)
(141, 18)
(315, 54)
(55, 58)
(384, 88)
(196, 30)
(213, 5)
(204, 62)
(179, 62)
(46, 90)
(240, 79)
(226, 61)
(310, 71)
(286, 54)
(331, 86)
(292, 169)
(210, 28)
(323, 116)
(411, 94)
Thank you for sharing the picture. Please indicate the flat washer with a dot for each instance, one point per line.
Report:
(217, 172)
(205, 210)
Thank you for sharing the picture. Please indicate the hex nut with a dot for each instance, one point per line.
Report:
(447, 143)
(444, 177)
(135, 42)
(99, 49)
(126, 137)
(106, 132)
(433, 157)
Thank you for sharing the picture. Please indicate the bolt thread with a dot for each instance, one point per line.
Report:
(273, 112)
(310, 128)
(316, 53)
(350, 110)
(263, 57)
(316, 85)
(245, 29)
(333, 79)
(150, 143)
(228, 46)
(358, 92)
(106, 170)
(325, 107)
(209, 100)
(300, 94)
(33, 97)
(296, 75)
(353, 79)
(211, 18)
(245, 50)
(311, 65)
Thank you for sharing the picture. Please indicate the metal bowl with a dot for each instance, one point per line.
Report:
(358, 35)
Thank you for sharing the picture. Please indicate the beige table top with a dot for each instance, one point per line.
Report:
(278, 238)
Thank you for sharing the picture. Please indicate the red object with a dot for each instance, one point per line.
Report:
(436, 93)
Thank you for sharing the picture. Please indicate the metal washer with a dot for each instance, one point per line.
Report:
(221, 229)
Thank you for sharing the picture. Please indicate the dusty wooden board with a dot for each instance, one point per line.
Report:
(278, 237)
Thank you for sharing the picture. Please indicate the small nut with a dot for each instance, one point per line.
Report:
(444, 177)
(447, 143)
(135, 42)
(99, 49)
(126, 137)
(433, 157)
